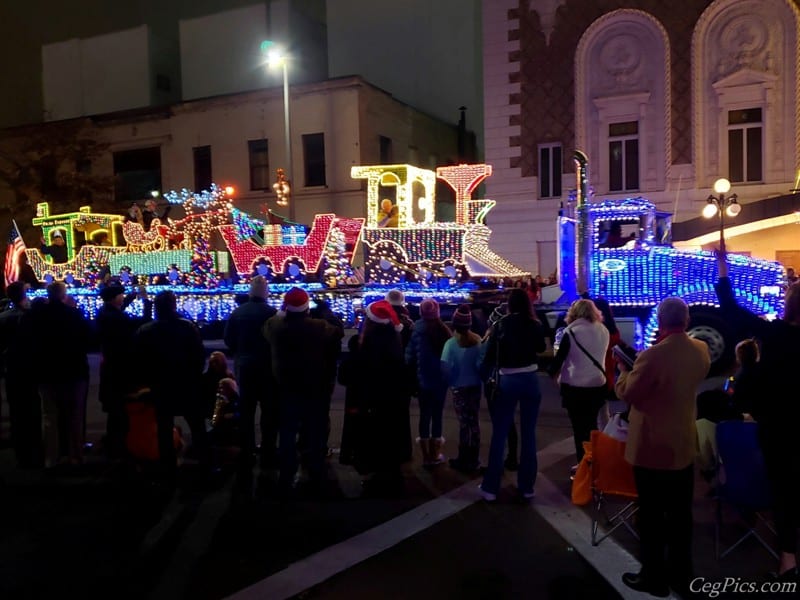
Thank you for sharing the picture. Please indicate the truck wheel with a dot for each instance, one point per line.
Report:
(711, 328)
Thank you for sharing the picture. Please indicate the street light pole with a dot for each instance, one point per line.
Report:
(722, 204)
(277, 55)
(288, 132)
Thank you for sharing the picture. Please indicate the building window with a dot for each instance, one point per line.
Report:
(314, 157)
(550, 170)
(385, 150)
(744, 145)
(258, 150)
(202, 168)
(136, 174)
(623, 156)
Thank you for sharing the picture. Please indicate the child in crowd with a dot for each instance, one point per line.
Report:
(423, 355)
(461, 359)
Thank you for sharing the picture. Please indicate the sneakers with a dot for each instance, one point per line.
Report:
(487, 496)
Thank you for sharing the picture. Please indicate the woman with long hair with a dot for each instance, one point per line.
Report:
(513, 346)
(579, 366)
(423, 355)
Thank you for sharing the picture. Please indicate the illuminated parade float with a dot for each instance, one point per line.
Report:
(402, 245)
(428, 257)
(636, 275)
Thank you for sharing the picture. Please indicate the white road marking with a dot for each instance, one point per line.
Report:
(609, 558)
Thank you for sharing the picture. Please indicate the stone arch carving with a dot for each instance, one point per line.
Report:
(623, 72)
(746, 54)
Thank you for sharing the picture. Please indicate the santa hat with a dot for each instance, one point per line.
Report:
(296, 300)
(383, 313)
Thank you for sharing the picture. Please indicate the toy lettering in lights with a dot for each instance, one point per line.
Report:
(402, 178)
(463, 179)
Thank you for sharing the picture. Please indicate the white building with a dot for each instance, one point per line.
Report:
(663, 101)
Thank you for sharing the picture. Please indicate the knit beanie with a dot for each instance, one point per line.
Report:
(463, 316)
(429, 309)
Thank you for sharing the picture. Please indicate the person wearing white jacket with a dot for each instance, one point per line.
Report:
(578, 367)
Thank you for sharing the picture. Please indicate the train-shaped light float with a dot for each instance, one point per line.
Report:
(405, 246)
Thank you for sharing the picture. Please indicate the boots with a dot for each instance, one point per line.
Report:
(436, 456)
(425, 448)
(467, 461)
(460, 462)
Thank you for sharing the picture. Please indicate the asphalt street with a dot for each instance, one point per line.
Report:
(102, 533)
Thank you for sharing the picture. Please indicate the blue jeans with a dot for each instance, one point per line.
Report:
(431, 407)
(522, 388)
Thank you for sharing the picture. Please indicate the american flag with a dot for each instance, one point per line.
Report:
(16, 246)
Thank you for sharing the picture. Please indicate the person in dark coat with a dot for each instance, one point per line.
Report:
(299, 350)
(25, 410)
(57, 250)
(116, 330)
(244, 337)
(386, 438)
(397, 299)
(776, 411)
(354, 413)
(150, 213)
(64, 384)
(323, 311)
(174, 350)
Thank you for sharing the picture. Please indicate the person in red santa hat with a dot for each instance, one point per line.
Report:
(383, 443)
(300, 349)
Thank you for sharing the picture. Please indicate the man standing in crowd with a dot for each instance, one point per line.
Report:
(116, 330)
(174, 349)
(300, 353)
(250, 349)
(661, 389)
(25, 410)
(64, 383)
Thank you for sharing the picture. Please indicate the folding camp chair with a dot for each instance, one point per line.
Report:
(612, 476)
(741, 482)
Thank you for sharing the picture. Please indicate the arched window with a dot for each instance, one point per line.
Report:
(744, 59)
(622, 101)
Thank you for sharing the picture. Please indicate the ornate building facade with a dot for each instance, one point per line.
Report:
(663, 97)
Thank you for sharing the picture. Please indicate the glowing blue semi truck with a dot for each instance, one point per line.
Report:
(642, 268)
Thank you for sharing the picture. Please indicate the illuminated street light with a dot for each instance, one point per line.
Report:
(722, 204)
